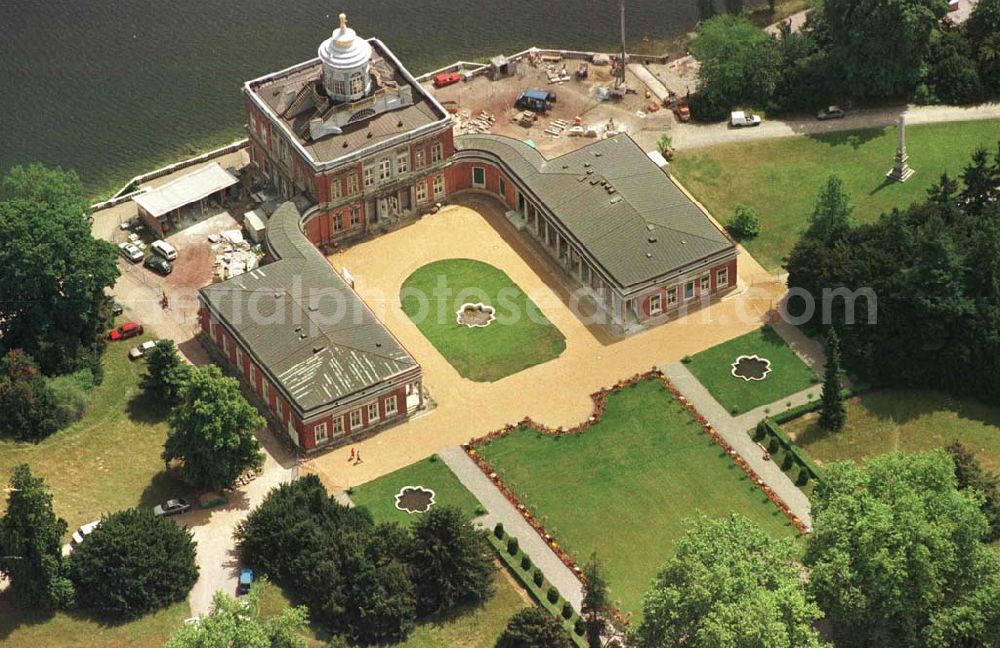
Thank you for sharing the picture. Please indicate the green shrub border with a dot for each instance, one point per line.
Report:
(538, 592)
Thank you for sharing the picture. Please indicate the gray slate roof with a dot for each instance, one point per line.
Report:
(646, 228)
(308, 329)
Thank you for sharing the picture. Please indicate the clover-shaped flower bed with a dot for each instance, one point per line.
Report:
(751, 367)
(475, 315)
(414, 499)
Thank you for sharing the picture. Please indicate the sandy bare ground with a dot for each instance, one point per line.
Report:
(556, 392)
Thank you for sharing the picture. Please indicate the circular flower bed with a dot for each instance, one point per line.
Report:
(414, 499)
(475, 315)
(751, 367)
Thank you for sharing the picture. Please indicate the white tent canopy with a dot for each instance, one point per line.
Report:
(189, 188)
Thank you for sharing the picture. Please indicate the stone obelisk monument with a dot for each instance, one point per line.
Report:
(900, 171)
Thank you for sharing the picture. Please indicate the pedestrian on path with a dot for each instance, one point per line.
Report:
(352, 456)
(358, 459)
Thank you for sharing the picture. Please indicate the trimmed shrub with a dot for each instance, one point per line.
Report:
(687, 359)
(525, 562)
(760, 432)
(552, 595)
(744, 223)
(498, 531)
(788, 461)
(567, 610)
(512, 546)
(579, 627)
(537, 577)
(773, 445)
(803, 477)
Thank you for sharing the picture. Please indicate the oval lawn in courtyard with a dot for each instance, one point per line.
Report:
(519, 337)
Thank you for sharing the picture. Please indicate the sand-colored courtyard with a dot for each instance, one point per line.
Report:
(556, 392)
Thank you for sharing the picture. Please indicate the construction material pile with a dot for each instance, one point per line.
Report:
(233, 254)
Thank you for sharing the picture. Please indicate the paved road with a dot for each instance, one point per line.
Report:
(692, 136)
(500, 510)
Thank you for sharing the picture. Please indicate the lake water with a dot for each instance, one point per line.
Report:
(112, 88)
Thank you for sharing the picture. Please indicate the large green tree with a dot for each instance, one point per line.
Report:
(831, 215)
(30, 551)
(595, 608)
(52, 288)
(451, 560)
(26, 400)
(212, 431)
(133, 563)
(534, 627)
(879, 46)
(983, 29)
(728, 584)
(242, 623)
(167, 373)
(738, 65)
(896, 554)
(986, 483)
(833, 414)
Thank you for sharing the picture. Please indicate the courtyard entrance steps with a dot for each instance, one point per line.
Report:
(501, 510)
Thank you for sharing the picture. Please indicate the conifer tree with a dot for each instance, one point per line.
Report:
(833, 415)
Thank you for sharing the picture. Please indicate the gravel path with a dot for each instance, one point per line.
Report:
(500, 510)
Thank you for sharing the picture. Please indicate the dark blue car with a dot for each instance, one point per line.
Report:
(246, 580)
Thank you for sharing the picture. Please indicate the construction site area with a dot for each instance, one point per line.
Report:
(559, 101)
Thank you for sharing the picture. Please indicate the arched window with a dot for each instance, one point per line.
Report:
(339, 87)
(357, 83)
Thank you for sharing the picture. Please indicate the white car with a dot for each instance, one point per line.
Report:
(131, 252)
(81, 534)
(141, 350)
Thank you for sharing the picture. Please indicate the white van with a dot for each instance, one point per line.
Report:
(164, 249)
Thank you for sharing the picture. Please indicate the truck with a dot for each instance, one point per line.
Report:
(739, 119)
(538, 101)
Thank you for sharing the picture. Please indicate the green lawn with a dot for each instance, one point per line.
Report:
(379, 496)
(519, 338)
(623, 487)
(467, 627)
(110, 459)
(909, 420)
(713, 367)
(781, 177)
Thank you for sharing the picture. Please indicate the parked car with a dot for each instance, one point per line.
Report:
(164, 249)
(117, 309)
(141, 350)
(130, 252)
(171, 507)
(158, 264)
(739, 119)
(129, 224)
(446, 79)
(125, 331)
(246, 581)
(683, 112)
(830, 112)
(81, 534)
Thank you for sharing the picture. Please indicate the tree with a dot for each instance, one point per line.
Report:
(744, 223)
(738, 65)
(596, 605)
(30, 535)
(451, 561)
(951, 70)
(944, 191)
(167, 372)
(896, 554)
(26, 400)
(970, 475)
(728, 584)
(241, 623)
(533, 627)
(132, 563)
(831, 216)
(833, 415)
(880, 45)
(53, 303)
(665, 145)
(981, 179)
(212, 431)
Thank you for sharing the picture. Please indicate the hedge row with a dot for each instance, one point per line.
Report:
(769, 429)
(531, 579)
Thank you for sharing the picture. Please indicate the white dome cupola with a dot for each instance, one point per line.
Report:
(346, 61)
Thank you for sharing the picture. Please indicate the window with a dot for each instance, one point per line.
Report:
(357, 83)
(338, 426)
(706, 284)
(372, 412)
(319, 433)
(369, 176)
(355, 419)
(339, 87)
(384, 169)
(689, 290)
(264, 391)
(722, 278)
(253, 121)
(338, 221)
(402, 161)
(352, 184)
(335, 188)
(503, 187)
(655, 305)
(437, 152)
(420, 158)
(225, 345)
(422, 191)
(239, 359)
(253, 376)
(390, 406)
(355, 216)
(438, 186)
(671, 296)
(277, 409)
(211, 329)
(478, 177)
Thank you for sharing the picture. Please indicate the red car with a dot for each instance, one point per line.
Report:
(125, 331)
(446, 79)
